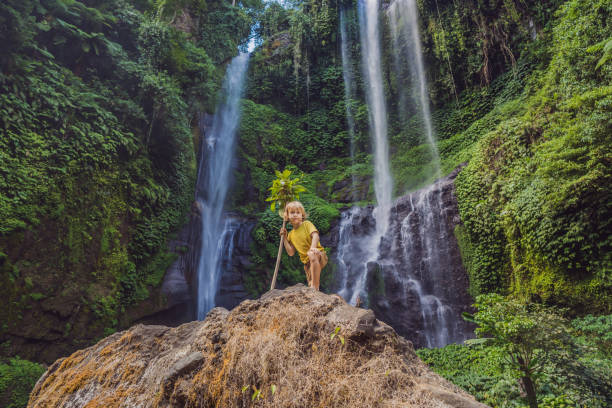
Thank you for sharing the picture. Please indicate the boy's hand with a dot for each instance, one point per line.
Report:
(283, 232)
(314, 251)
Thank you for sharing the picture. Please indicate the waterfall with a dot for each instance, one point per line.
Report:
(427, 255)
(349, 89)
(403, 21)
(425, 242)
(401, 258)
(375, 96)
(367, 245)
(217, 154)
(415, 281)
(354, 253)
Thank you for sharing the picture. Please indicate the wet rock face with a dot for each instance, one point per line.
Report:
(349, 190)
(415, 280)
(423, 247)
(231, 287)
(180, 282)
(276, 351)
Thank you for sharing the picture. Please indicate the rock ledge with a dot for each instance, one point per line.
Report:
(291, 348)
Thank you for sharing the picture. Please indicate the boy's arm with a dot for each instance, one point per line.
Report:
(288, 245)
(315, 241)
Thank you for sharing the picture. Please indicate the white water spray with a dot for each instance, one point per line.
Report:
(367, 245)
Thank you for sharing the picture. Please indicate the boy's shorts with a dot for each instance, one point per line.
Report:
(322, 260)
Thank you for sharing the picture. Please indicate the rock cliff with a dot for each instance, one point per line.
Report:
(290, 348)
(415, 281)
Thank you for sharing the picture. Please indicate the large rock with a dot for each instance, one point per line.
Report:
(277, 351)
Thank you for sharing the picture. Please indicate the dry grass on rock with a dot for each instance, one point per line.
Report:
(291, 348)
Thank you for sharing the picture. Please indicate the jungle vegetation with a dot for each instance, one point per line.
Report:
(99, 103)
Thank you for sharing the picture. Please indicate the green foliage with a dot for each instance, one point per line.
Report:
(570, 371)
(472, 42)
(597, 330)
(479, 370)
(540, 347)
(17, 378)
(526, 333)
(533, 198)
(284, 189)
(340, 337)
(97, 161)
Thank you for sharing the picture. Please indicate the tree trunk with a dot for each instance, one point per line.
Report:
(529, 387)
(527, 382)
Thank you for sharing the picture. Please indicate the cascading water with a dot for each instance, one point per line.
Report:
(427, 257)
(367, 245)
(416, 281)
(402, 258)
(375, 95)
(403, 20)
(213, 183)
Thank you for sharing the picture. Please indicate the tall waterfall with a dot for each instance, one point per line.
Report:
(401, 258)
(217, 154)
(375, 95)
(367, 246)
(404, 24)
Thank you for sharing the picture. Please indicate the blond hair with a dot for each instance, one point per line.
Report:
(299, 206)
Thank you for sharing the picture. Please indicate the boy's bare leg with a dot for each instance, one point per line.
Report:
(308, 274)
(317, 261)
(315, 272)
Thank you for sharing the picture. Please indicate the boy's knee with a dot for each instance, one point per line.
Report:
(313, 258)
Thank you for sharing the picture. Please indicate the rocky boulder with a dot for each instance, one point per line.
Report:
(291, 348)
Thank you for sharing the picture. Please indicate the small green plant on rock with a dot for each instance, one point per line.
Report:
(336, 331)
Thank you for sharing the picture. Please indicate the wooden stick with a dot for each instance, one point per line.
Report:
(278, 258)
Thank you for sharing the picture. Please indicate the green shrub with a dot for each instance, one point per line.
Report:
(17, 378)
(596, 330)
(479, 370)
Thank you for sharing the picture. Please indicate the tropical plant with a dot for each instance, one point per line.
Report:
(283, 190)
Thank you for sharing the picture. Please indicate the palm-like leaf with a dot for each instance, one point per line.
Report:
(284, 189)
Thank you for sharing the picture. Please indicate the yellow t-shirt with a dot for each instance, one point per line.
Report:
(301, 239)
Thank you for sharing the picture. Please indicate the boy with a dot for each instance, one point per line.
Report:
(304, 237)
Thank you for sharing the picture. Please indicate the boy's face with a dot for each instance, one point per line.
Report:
(295, 216)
